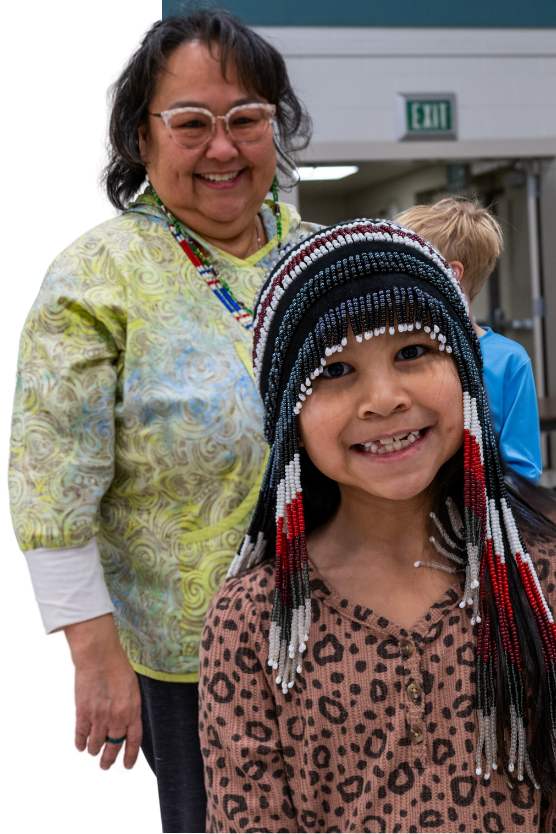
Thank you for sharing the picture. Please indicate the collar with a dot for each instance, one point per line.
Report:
(146, 204)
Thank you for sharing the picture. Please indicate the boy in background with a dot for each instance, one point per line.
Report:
(470, 238)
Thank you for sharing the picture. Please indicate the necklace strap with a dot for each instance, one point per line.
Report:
(206, 270)
(277, 210)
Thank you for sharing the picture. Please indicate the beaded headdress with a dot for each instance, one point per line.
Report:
(376, 277)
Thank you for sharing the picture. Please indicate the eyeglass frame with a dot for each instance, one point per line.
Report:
(166, 115)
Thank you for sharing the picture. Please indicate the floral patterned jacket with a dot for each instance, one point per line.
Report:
(136, 420)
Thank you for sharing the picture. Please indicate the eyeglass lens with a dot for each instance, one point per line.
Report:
(192, 128)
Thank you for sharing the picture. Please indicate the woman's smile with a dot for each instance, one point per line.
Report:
(221, 180)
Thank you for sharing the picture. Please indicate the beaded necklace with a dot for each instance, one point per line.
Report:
(207, 271)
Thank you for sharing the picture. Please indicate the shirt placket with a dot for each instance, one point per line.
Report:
(414, 697)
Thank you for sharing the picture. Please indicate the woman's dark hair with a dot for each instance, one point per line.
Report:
(260, 68)
(533, 508)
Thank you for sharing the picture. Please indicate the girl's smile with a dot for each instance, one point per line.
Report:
(385, 417)
(395, 444)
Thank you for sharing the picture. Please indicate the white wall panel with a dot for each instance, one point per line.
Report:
(504, 80)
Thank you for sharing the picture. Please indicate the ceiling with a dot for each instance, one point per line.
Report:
(369, 174)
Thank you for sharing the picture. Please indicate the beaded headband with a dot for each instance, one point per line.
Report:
(376, 276)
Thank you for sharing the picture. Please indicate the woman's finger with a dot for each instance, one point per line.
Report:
(111, 748)
(133, 742)
(82, 730)
(110, 721)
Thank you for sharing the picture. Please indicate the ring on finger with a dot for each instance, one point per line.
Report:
(115, 740)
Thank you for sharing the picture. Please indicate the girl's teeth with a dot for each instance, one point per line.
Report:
(391, 444)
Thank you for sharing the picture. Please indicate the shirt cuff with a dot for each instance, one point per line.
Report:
(69, 584)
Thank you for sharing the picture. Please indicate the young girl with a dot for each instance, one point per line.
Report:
(382, 656)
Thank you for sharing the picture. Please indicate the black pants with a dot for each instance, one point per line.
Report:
(172, 748)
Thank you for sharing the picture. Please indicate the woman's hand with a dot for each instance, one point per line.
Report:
(107, 697)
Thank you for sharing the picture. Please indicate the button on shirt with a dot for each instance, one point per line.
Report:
(414, 691)
(377, 734)
(416, 735)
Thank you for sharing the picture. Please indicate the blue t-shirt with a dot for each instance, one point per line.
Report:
(510, 387)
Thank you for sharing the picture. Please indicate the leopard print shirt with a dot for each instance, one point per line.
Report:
(377, 734)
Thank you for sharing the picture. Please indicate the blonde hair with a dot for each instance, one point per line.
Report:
(462, 231)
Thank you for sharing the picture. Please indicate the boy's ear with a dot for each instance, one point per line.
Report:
(458, 269)
(457, 266)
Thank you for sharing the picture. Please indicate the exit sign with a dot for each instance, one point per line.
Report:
(426, 116)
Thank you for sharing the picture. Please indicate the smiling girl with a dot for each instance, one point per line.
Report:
(400, 673)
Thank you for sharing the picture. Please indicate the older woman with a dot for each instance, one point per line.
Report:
(137, 444)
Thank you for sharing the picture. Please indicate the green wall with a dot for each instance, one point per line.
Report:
(487, 13)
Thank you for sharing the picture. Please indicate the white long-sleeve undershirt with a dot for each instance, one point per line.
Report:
(69, 584)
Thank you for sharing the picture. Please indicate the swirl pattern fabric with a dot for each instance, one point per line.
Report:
(136, 420)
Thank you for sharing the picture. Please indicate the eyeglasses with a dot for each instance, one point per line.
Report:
(193, 127)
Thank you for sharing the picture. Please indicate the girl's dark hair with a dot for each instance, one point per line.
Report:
(260, 68)
(533, 508)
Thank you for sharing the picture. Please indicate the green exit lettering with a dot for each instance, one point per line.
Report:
(428, 116)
